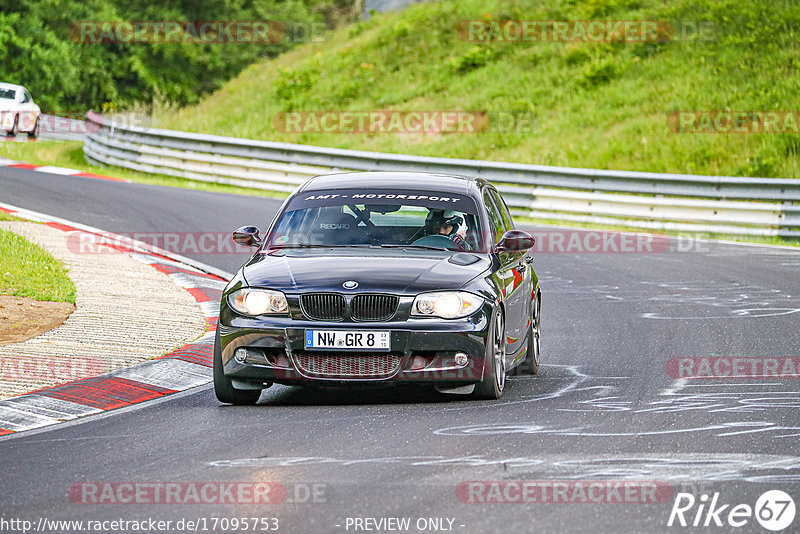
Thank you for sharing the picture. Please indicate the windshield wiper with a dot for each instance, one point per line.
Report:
(383, 245)
(424, 247)
(309, 245)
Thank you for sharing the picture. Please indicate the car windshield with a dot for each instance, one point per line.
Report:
(7, 94)
(386, 219)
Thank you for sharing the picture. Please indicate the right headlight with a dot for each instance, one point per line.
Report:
(446, 304)
(249, 301)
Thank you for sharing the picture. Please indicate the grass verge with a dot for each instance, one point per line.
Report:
(27, 270)
(6, 217)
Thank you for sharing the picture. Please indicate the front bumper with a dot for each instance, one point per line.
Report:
(422, 351)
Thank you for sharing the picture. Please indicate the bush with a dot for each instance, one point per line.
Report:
(474, 58)
(598, 71)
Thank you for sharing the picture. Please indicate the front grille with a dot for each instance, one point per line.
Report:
(323, 306)
(374, 307)
(327, 364)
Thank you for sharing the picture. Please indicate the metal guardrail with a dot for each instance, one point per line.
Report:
(673, 202)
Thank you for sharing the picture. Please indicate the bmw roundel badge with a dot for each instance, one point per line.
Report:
(350, 284)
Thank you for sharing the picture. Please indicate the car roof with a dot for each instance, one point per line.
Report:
(4, 85)
(418, 181)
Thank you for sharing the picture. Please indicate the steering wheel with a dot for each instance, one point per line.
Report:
(434, 241)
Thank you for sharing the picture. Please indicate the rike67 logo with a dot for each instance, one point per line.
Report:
(774, 510)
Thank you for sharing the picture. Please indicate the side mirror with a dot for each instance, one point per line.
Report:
(515, 241)
(247, 236)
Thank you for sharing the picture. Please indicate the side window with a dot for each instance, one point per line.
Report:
(495, 220)
(504, 213)
(26, 97)
(473, 236)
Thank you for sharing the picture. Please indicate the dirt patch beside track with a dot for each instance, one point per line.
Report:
(23, 318)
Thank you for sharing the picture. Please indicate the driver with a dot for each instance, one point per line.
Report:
(446, 223)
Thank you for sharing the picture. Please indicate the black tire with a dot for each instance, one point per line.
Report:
(531, 364)
(35, 132)
(494, 375)
(223, 387)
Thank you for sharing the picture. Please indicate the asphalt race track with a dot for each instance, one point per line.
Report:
(606, 405)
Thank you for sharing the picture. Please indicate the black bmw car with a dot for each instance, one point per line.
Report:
(381, 278)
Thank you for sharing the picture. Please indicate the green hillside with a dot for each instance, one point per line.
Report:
(594, 104)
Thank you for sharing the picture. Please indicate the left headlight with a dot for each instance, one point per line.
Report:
(446, 304)
(258, 302)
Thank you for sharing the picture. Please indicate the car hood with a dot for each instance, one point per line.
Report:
(380, 271)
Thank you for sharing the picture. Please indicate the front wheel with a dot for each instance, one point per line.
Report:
(531, 364)
(494, 368)
(223, 387)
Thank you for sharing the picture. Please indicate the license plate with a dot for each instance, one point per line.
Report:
(347, 339)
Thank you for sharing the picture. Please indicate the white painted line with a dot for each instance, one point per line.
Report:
(210, 308)
(169, 373)
(56, 170)
(48, 406)
(16, 420)
(149, 259)
(186, 280)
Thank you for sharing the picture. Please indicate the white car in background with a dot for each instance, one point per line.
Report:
(18, 112)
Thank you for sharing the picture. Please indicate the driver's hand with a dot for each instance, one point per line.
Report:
(459, 242)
